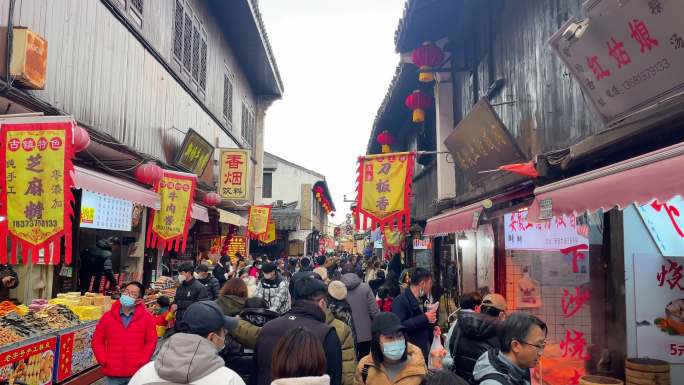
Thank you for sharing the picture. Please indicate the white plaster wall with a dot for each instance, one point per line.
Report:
(287, 182)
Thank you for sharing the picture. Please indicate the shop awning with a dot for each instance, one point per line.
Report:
(199, 212)
(231, 218)
(115, 187)
(454, 221)
(656, 175)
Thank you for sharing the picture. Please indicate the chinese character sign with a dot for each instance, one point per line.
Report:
(555, 234)
(270, 235)
(36, 189)
(31, 361)
(234, 174)
(236, 244)
(628, 55)
(257, 224)
(665, 223)
(194, 153)
(100, 211)
(383, 187)
(170, 224)
(659, 307)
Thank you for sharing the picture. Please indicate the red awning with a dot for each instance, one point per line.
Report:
(454, 221)
(656, 175)
(115, 187)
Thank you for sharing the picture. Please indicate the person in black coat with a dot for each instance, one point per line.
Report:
(395, 265)
(210, 282)
(189, 292)
(222, 270)
(377, 282)
(418, 321)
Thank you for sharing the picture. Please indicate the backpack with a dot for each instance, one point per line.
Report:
(496, 377)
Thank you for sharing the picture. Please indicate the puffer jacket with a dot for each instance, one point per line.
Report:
(275, 293)
(120, 350)
(413, 373)
(186, 359)
(231, 305)
(363, 305)
(343, 312)
(348, 350)
(473, 335)
(212, 285)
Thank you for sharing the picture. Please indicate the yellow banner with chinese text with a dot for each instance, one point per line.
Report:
(234, 174)
(259, 217)
(270, 235)
(170, 224)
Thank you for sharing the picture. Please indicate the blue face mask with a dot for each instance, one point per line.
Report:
(126, 301)
(394, 350)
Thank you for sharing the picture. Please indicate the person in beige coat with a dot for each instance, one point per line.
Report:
(348, 350)
(392, 360)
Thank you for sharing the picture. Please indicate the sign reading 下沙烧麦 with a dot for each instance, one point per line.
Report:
(100, 211)
(234, 174)
(628, 55)
(194, 154)
(665, 224)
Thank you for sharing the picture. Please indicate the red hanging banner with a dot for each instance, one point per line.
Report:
(169, 229)
(36, 189)
(383, 191)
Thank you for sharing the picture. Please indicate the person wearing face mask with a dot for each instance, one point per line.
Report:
(190, 356)
(125, 337)
(408, 306)
(392, 359)
(222, 270)
(189, 292)
(208, 280)
(522, 339)
(273, 289)
(363, 308)
(308, 311)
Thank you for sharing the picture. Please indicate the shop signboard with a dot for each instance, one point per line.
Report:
(665, 223)
(234, 174)
(236, 244)
(31, 363)
(100, 211)
(659, 307)
(558, 233)
(422, 244)
(75, 354)
(194, 154)
(625, 55)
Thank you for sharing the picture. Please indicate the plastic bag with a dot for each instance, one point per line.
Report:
(437, 351)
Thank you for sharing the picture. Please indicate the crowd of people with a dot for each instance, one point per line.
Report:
(339, 320)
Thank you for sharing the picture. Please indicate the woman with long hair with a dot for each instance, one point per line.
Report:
(299, 359)
(232, 297)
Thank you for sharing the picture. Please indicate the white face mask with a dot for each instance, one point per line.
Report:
(181, 277)
(197, 276)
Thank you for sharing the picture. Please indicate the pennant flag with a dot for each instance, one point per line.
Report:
(270, 235)
(257, 224)
(525, 169)
(170, 224)
(36, 200)
(383, 188)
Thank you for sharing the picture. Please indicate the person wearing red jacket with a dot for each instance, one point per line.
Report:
(125, 337)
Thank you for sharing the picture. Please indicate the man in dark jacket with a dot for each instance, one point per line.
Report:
(363, 306)
(189, 292)
(209, 281)
(96, 261)
(222, 270)
(474, 334)
(308, 311)
(8, 280)
(416, 319)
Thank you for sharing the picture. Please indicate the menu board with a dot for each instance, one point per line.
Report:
(99, 211)
(236, 244)
(31, 363)
(75, 353)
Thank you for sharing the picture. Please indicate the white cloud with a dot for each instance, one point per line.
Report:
(336, 59)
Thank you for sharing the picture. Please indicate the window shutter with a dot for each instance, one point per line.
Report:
(178, 31)
(187, 42)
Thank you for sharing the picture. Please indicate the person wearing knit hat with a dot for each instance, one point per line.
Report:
(322, 272)
(337, 290)
(340, 317)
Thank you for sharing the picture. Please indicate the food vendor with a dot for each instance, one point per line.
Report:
(8, 280)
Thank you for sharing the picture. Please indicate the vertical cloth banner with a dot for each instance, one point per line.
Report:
(383, 188)
(170, 224)
(234, 173)
(270, 235)
(36, 189)
(257, 224)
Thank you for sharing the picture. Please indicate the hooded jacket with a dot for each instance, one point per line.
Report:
(494, 363)
(231, 305)
(186, 359)
(344, 332)
(275, 293)
(322, 380)
(120, 350)
(412, 374)
(363, 305)
(473, 335)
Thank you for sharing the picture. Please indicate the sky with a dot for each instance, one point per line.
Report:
(336, 59)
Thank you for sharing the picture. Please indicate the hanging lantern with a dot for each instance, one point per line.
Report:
(418, 102)
(427, 57)
(385, 139)
(211, 199)
(81, 138)
(149, 173)
(332, 215)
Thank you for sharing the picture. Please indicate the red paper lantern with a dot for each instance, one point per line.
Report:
(149, 173)
(418, 102)
(81, 139)
(212, 199)
(385, 140)
(426, 57)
